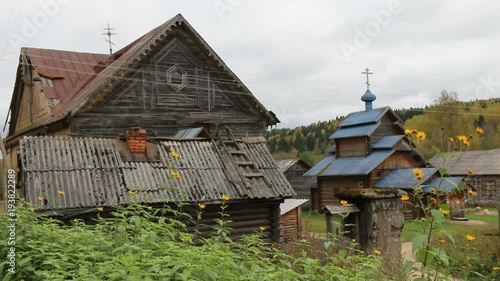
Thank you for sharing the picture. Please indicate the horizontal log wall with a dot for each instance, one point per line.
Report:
(290, 225)
(352, 147)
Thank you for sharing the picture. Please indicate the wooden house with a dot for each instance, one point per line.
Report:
(294, 170)
(122, 128)
(482, 170)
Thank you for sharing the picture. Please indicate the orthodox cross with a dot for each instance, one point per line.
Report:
(367, 72)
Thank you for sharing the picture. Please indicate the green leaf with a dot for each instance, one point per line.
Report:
(443, 172)
(419, 241)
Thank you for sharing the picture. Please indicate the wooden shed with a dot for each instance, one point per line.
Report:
(291, 215)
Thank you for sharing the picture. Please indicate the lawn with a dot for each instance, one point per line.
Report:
(313, 222)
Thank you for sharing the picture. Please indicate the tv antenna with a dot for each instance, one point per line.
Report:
(109, 34)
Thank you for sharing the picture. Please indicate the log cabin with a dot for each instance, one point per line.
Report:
(481, 168)
(161, 121)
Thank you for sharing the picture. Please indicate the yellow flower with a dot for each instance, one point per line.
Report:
(262, 228)
(495, 268)
(471, 192)
(451, 140)
(405, 197)
(40, 198)
(479, 130)
(418, 171)
(466, 143)
(414, 131)
(470, 171)
(60, 192)
(150, 207)
(377, 252)
(100, 209)
(442, 241)
(423, 219)
(201, 205)
(225, 197)
(407, 131)
(132, 192)
(174, 154)
(353, 240)
(470, 237)
(421, 135)
(344, 202)
(176, 175)
(445, 212)
(462, 138)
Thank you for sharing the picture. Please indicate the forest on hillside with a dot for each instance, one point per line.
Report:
(446, 117)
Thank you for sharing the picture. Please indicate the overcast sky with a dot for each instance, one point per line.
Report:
(302, 59)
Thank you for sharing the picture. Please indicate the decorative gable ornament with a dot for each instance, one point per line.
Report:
(176, 78)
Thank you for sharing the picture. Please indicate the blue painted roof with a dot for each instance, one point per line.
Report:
(404, 178)
(331, 166)
(388, 141)
(368, 96)
(363, 117)
(325, 162)
(358, 131)
(331, 149)
(445, 184)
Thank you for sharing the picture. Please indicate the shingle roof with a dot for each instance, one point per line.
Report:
(404, 178)
(482, 162)
(91, 172)
(285, 164)
(290, 204)
(331, 166)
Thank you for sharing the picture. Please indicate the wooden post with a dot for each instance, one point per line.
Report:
(6, 167)
(329, 224)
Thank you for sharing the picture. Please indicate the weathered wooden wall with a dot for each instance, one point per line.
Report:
(329, 187)
(352, 147)
(295, 177)
(209, 97)
(290, 225)
(485, 199)
(386, 128)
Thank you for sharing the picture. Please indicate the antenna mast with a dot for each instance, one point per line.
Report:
(109, 34)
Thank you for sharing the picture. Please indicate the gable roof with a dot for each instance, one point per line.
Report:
(363, 123)
(290, 204)
(482, 162)
(91, 173)
(96, 72)
(331, 166)
(387, 142)
(404, 178)
(285, 164)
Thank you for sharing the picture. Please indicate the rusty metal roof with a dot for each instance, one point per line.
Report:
(91, 172)
(68, 71)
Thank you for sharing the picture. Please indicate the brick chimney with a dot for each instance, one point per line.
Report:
(136, 140)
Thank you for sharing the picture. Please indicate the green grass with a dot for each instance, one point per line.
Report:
(313, 222)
